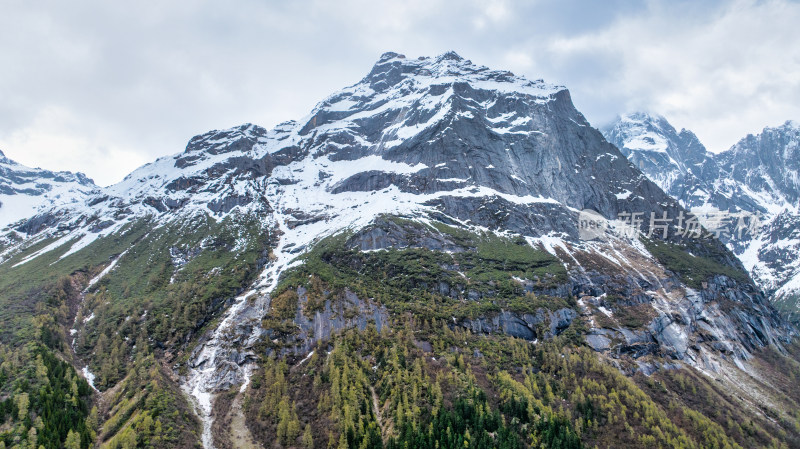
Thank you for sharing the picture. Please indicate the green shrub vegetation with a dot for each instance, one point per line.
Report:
(45, 399)
(148, 309)
(483, 279)
(694, 264)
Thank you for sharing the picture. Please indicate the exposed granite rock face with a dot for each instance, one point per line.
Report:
(725, 316)
(241, 138)
(387, 233)
(544, 324)
(37, 223)
(722, 317)
(337, 314)
(493, 212)
(225, 204)
(676, 161)
(597, 340)
(349, 311)
(514, 144)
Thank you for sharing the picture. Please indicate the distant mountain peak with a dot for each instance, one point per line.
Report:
(25, 190)
(668, 157)
(768, 162)
(221, 141)
(5, 160)
(756, 177)
(642, 116)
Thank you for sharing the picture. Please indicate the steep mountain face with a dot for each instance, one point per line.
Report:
(747, 193)
(24, 191)
(431, 248)
(766, 166)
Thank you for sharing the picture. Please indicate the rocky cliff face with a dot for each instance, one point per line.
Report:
(432, 188)
(747, 195)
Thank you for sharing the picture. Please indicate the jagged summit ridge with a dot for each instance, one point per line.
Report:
(642, 131)
(641, 136)
(435, 124)
(428, 134)
(392, 68)
(222, 141)
(757, 174)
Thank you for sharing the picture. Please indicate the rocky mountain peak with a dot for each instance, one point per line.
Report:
(449, 56)
(670, 158)
(426, 126)
(784, 138)
(224, 141)
(390, 55)
(4, 160)
(768, 162)
(393, 69)
(644, 131)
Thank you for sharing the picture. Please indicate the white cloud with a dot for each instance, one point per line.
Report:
(56, 140)
(491, 12)
(723, 75)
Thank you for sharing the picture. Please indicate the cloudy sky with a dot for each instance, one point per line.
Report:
(103, 87)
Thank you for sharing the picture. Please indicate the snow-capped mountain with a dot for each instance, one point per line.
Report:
(414, 133)
(423, 159)
(420, 137)
(768, 165)
(748, 193)
(24, 191)
(676, 161)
